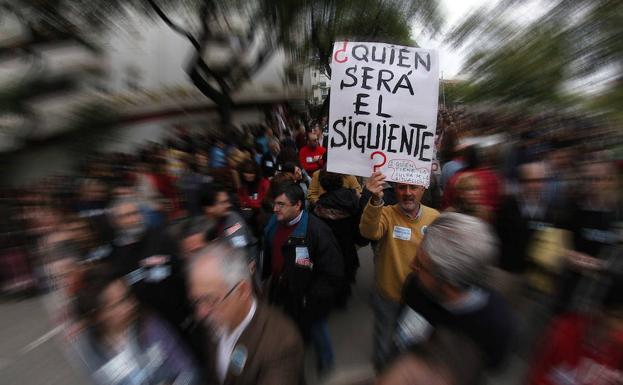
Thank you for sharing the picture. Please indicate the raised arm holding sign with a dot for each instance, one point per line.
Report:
(383, 111)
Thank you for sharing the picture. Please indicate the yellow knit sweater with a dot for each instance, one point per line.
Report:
(399, 237)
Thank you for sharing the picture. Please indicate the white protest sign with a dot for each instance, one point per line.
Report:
(383, 111)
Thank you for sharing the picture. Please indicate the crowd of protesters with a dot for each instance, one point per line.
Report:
(216, 258)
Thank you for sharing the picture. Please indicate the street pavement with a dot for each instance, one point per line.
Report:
(31, 353)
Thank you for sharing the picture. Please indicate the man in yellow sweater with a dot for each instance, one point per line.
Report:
(399, 230)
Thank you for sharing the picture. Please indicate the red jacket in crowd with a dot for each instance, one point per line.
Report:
(569, 357)
(253, 199)
(311, 158)
(490, 185)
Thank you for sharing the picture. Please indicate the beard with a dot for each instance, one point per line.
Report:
(408, 204)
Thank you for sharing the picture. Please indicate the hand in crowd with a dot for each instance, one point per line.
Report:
(375, 184)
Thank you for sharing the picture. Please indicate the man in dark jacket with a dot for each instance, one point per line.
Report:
(270, 160)
(447, 289)
(305, 267)
(338, 207)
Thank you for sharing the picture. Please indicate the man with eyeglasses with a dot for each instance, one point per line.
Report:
(251, 343)
(399, 229)
(304, 268)
(448, 289)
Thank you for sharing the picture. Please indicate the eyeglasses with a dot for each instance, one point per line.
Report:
(211, 301)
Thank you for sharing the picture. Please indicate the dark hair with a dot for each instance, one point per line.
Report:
(249, 166)
(191, 226)
(288, 167)
(289, 154)
(209, 193)
(89, 299)
(330, 181)
(613, 298)
(472, 157)
(292, 191)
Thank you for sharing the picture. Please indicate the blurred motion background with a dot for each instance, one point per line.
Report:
(94, 94)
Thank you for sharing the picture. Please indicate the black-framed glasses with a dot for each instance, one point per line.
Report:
(211, 301)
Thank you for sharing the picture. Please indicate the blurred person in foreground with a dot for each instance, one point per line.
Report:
(304, 268)
(595, 221)
(399, 229)
(149, 260)
(584, 348)
(446, 359)
(123, 344)
(446, 289)
(64, 272)
(251, 343)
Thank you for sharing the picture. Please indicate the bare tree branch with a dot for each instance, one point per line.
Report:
(174, 26)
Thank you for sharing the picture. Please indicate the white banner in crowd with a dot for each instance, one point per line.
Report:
(383, 111)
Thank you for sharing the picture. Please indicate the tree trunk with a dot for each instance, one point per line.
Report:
(324, 111)
(225, 109)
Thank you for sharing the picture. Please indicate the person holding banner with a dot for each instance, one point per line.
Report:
(399, 230)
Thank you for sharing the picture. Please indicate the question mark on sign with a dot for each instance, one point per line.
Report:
(343, 49)
(380, 155)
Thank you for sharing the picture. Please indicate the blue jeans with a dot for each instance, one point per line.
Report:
(322, 344)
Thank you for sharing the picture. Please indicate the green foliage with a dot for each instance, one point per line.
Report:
(320, 23)
(531, 66)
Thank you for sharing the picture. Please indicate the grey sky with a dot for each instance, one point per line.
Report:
(454, 10)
